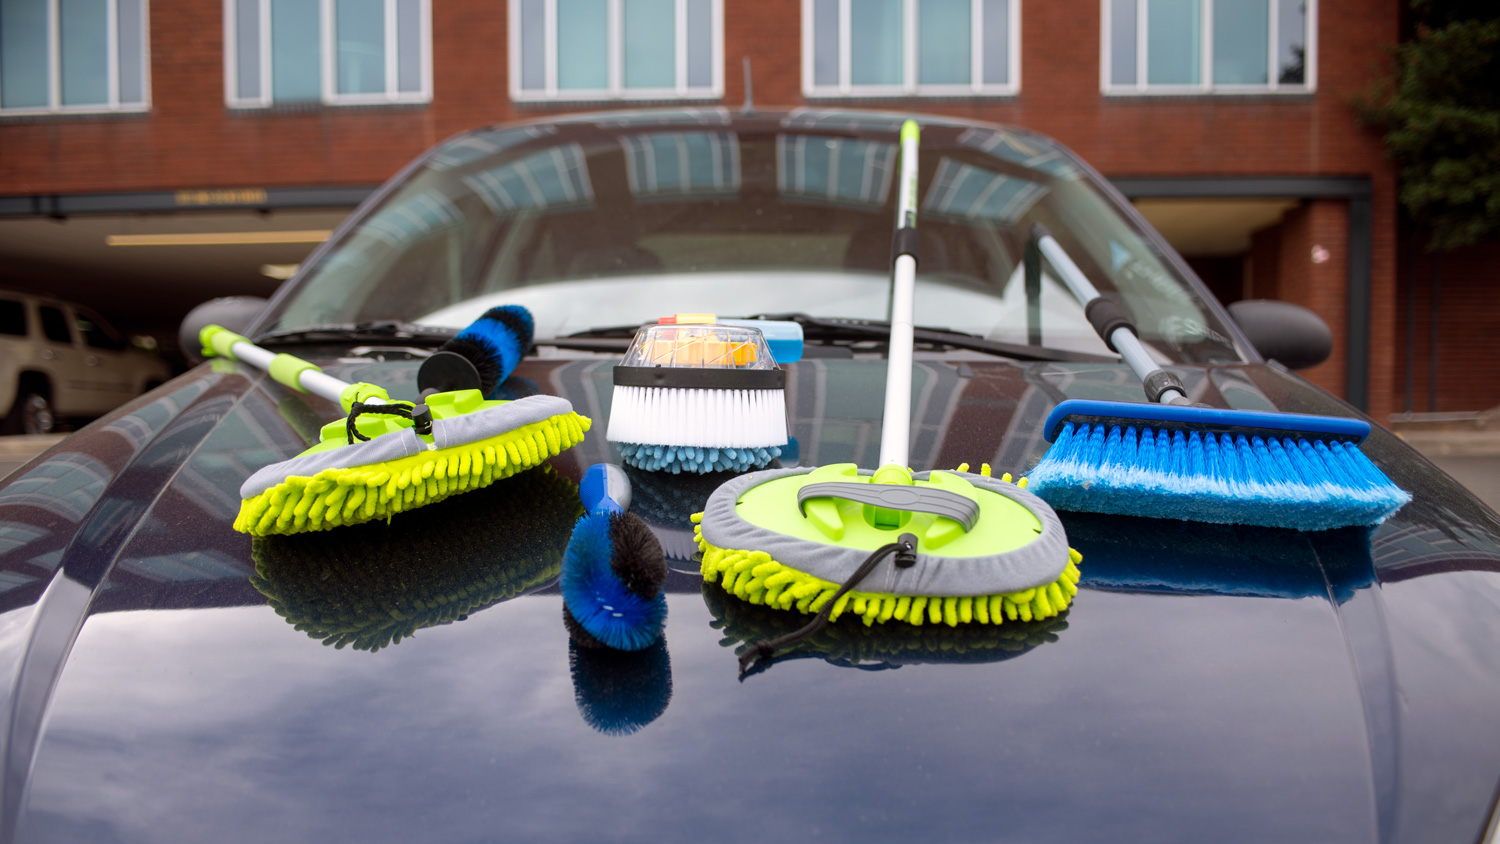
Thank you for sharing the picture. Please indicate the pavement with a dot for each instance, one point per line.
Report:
(1468, 449)
(16, 451)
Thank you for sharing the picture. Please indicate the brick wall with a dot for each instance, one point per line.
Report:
(190, 139)
(1468, 329)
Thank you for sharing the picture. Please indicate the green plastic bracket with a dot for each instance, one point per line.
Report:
(881, 517)
(218, 341)
(288, 370)
(361, 392)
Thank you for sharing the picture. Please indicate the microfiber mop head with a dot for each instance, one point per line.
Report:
(1013, 563)
(495, 343)
(1209, 465)
(371, 586)
(340, 482)
(613, 569)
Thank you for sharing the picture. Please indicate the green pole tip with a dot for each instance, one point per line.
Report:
(910, 132)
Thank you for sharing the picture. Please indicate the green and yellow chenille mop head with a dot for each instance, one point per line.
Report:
(891, 545)
(387, 457)
(373, 585)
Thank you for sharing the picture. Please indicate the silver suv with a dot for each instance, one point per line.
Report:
(61, 360)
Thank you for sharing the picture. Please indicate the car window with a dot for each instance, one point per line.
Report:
(97, 333)
(590, 231)
(12, 318)
(55, 325)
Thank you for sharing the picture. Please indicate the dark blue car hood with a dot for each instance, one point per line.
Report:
(1209, 683)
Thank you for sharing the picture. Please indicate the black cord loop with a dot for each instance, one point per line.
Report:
(417, 413)
(905, 548)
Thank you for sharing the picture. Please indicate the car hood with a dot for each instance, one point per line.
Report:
(1209, 682)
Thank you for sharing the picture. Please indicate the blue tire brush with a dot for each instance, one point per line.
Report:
(613, 569)
(1171, 459)
(482, 355)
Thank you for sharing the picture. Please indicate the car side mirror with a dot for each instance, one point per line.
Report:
(232, 312)
(1281, 331)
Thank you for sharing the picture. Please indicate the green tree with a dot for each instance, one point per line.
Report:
(1441, 113)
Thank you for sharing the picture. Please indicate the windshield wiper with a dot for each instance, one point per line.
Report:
(836, 330)
(379, 331)
(854, 330)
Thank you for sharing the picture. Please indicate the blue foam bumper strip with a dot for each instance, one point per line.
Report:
(1207, 418)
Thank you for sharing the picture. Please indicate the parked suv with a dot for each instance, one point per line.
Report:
(62, 360)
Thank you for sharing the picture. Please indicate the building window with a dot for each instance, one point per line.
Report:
(72, 55)
(867, 48)
(1201, 46)
(616, 49)
(338, 52)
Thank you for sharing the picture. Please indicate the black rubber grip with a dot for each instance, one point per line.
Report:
(911, 499)
(1159, 382)
(1106, 315)
(700, 379)
(905, 243)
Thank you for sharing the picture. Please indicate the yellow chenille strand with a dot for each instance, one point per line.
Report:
(347, 496)
(754, 577)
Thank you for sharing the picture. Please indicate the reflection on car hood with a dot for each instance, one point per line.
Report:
(1209, 683)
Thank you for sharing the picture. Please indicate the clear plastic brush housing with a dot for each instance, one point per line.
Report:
(698, 398)
(700, 347)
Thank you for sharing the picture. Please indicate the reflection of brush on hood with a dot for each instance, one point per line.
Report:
(667, 503)
(1197, 558)
(613, 570)
(878, 646)
(619, 692)
(372, 585)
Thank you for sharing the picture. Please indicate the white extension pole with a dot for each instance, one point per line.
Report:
(895, 437)
(311, 380)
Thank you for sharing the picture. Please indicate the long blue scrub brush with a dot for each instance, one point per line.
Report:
(613, 569)
(1172, 459)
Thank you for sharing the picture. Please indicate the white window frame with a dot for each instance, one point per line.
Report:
(1206, 86)
(910, 39)
(54, 67)
(616, 89)
(327, 45)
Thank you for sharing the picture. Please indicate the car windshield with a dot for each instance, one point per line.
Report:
(600, 224)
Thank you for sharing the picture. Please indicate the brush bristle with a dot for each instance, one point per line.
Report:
(703, 418)
(612, 575)
(677, 459)
(495, 343)
(1189, 475)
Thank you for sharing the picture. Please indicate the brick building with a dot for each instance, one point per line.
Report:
(154, 153)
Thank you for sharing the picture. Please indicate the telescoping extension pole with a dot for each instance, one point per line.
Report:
(1111, 323)
(896, 429)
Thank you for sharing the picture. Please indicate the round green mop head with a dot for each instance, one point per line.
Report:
(372, 585)
(1005, 558)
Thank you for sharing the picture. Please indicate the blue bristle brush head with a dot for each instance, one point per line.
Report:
(613, 569)
(495, 343)
(1270, 472)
